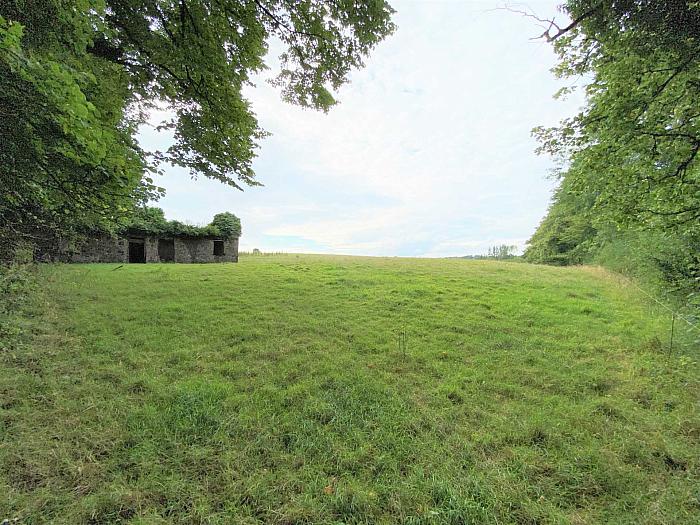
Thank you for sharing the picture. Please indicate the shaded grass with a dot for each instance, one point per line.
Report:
(274, 391)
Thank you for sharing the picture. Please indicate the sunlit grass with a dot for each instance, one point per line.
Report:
(275, 391)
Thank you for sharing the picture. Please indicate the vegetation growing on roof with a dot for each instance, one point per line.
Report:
(151, 220)
(227, 223)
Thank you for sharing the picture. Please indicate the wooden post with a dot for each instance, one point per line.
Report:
(673, 322)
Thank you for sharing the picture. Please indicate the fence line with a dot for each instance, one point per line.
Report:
(674, 313)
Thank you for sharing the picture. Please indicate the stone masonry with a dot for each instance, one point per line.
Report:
(148, 248)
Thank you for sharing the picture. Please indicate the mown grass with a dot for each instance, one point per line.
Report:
(274, 391)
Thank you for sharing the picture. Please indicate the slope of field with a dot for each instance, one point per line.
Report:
(276, 391)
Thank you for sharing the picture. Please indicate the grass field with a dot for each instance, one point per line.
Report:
(275, 391)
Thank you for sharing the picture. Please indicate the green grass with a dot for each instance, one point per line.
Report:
(274, 391)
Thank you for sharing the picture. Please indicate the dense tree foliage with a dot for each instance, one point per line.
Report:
(566, 235)
(151, 220)
(78, 78)
(228, 224)
(632, 168)
(68, 156)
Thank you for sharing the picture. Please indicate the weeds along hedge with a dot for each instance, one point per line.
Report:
(669, 266)
(17, 294)
(665, 264)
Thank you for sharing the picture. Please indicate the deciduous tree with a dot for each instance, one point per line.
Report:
(78, 78)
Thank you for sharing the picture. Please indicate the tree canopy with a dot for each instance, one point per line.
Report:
(636, 142)
(151, 220)
(228, 224)
(78, 78)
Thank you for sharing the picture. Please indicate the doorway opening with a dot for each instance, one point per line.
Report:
(219, 248)
(137, 251)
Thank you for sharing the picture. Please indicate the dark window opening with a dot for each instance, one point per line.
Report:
(218, 247)
(166, 250)
(137, 251)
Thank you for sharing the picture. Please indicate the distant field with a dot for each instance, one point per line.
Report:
(275, 391)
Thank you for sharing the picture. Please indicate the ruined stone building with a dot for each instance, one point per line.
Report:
(134, 247)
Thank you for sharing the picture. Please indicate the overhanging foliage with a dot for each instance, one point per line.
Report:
(631, 157)
(78, 78)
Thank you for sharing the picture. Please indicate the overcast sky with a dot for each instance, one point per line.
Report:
(428, 153)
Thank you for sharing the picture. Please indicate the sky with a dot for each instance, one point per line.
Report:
(428, 153)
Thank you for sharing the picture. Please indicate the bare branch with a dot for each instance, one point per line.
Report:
(550, 24)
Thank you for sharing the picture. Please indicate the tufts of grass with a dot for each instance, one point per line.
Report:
(281, 390)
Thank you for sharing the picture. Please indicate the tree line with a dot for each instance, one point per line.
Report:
(629, 192)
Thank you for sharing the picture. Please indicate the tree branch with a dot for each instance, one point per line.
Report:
(280, 23)
(551, 24)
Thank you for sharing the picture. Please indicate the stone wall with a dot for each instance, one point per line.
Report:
(98, 249)
(116, 249)
(151, 249)
(198, 250)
